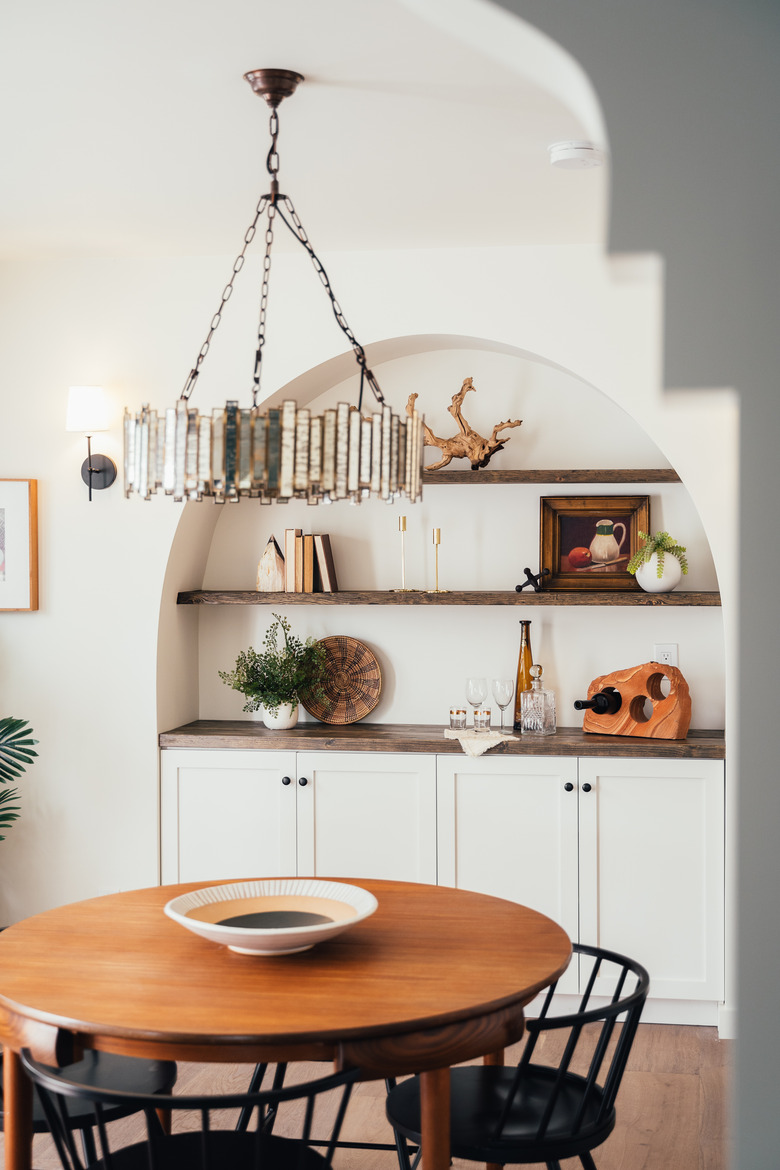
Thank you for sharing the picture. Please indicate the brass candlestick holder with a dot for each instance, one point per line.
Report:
(436, 543)
(402, 530)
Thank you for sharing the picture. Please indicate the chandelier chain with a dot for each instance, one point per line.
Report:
(272, 161)
(269, 239)
(270, 204)
(298, 230)
(238, 264)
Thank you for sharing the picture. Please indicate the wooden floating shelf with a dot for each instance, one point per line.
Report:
(611, 475)
(482, 597)
(455, 597)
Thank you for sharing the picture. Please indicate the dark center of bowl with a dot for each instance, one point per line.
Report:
(275, 919)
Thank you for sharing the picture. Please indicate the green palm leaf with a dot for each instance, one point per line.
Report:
(16, 748)
(8, 812)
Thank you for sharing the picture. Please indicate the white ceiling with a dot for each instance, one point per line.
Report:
(129, 130)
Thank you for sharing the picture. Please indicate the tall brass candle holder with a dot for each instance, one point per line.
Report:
(402, 530)
(436, 543)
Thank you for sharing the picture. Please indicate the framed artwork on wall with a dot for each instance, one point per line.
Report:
(18, 544)
(587, 541)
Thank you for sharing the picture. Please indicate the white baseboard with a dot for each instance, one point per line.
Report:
(705, 1013)
(727, 1022)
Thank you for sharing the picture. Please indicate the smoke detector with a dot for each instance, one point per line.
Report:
(575, 155)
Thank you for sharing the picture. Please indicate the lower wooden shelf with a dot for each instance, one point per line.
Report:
(429, 738)
(453, 597)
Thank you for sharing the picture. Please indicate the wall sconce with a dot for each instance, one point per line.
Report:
(88, 411)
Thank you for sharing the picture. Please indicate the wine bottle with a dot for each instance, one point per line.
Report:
(605, 702)
(524, 679)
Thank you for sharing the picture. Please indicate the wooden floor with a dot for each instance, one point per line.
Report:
(671, 1107)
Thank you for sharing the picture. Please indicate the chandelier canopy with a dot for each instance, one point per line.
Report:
(284, 452)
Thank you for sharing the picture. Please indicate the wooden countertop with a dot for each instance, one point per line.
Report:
(429, 738)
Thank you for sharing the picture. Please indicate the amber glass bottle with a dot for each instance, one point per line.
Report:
(524, 664)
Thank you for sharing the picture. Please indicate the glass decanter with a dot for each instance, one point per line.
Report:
(537, 707)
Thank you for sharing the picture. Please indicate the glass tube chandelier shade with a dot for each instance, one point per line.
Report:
(283, 452)
(276, 455)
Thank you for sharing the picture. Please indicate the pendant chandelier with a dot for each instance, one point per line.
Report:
(284, 452)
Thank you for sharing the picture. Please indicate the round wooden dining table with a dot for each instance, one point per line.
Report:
(435, 977)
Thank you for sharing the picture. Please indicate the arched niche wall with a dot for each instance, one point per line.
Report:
(488, 535)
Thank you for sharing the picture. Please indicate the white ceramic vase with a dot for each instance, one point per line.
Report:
(647, 574)
(285, 717)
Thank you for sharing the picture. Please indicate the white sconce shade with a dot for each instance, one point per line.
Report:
(88, 410)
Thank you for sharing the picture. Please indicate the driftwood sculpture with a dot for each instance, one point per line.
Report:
(467, 444)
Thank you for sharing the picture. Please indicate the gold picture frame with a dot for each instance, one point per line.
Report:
(602, 532)
(18, 544)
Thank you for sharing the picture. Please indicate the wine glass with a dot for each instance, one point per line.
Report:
(476, 691)
(503, 689)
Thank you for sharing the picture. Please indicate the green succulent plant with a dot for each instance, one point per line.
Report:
(278, 674)
(661, 543)
(16, 753)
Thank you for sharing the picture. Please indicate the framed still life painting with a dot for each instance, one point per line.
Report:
(18, 544)
(587, 541)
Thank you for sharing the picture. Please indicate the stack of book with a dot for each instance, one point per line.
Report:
(308, 562)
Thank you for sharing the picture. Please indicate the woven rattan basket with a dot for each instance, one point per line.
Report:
(353, 684)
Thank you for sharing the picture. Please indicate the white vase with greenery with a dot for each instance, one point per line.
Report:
(274, 680)
(659, 565)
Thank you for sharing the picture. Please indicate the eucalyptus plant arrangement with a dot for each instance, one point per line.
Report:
(16, 753)
(279, 674)
(661, 543)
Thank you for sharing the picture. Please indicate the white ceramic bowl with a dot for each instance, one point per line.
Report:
(280, 916)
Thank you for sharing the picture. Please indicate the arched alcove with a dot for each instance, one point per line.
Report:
(489, 533)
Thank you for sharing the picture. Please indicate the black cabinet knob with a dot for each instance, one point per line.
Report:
(303, 781)
(568, 787)
(586, 788)
(286, 780)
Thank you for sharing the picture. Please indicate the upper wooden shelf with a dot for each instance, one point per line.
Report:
(611, 475)
(455, 597)
(480, 597)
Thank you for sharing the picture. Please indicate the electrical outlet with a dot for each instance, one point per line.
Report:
(665, 653)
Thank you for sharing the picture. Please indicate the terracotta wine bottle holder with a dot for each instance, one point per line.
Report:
(670, 717)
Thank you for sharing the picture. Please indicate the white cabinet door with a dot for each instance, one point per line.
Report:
(651, 869)
(227, 814)
(507, 826)
(367, 814)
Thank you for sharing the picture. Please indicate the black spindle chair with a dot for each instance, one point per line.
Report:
(208, 1140)
(536, 1112)
(109, 1071)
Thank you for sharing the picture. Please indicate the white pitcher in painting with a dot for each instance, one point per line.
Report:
(604, 547)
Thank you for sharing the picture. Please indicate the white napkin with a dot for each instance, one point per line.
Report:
(476, 743)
